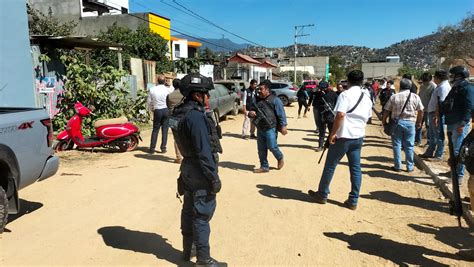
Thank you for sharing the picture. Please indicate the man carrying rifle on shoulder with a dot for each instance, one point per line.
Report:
(353, 109)
(269, 117)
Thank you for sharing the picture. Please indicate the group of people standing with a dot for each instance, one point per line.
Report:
(443, 104)
(344, 113)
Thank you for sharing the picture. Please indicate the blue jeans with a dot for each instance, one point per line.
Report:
(404, 135)
(351, 148)
(436, 134)
(267, 140)
(457, 139)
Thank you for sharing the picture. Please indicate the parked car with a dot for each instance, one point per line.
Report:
(284, 91)
(26, 154)
(237, 86)
(310, 84)
(223, 101)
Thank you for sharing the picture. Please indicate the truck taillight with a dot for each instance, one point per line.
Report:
(49, 137)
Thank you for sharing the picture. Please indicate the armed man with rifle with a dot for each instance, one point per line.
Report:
(269, 117)
(353, 109)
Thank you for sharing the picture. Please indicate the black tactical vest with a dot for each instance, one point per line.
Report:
(266, 116)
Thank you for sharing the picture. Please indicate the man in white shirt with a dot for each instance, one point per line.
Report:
(353, 109)
(157, 104)
(436, 123)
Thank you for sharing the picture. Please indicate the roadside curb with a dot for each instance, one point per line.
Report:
(446, 189)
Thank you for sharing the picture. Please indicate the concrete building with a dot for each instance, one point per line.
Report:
(381, 69)
(316, 66)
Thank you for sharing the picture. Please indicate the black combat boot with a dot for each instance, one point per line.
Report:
(210, 263)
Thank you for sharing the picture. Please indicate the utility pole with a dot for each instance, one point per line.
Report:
(299, 33)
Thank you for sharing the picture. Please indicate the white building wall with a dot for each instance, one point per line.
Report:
(182, 51)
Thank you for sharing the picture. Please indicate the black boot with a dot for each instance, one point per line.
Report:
(210, 263)
(187, 247)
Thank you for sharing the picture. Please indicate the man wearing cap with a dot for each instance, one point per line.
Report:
(199, 181)
(157, 104)
(269, 117)
(248, 101)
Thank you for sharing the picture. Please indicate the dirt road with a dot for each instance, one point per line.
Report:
(120, 209)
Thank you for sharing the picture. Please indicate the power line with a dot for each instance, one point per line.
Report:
(213, 24)
(173, 30)
(178, 21)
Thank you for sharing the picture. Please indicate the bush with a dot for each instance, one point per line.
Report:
(99, 88)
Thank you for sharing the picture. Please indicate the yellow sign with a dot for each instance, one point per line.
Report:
(160, 25)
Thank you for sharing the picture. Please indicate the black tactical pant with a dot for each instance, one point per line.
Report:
(198, 209)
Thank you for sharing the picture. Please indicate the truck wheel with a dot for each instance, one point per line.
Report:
(284, 100)
(3, 209)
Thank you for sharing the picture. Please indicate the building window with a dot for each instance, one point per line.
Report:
(177, 51)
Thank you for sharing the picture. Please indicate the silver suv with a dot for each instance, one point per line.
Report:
(223, 101)
(285, 91)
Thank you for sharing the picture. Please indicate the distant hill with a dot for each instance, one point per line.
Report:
(418, 52)
(220, 42)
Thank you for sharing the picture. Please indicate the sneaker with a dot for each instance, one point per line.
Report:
(253, 136)
(349, 205)
(260, 170)
(151, 151)
(281, 163)
(316, 196)
(210, 263)
(395, 169)
(412, 170)
(436, 159)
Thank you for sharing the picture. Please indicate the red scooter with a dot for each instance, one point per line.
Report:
(115, 133)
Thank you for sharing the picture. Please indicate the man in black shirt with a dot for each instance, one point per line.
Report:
(324, 100)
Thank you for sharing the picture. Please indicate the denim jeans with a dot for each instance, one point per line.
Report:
(267, 140)
(351, 148)
(436, 133)
(160, 120)
(404, 135)
(457, 139)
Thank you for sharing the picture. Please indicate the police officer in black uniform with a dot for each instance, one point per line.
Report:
(199, 181)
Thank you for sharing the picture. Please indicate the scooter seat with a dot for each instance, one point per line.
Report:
(121, 120)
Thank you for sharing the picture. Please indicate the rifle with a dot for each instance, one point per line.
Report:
(456, 203)
(326, 146)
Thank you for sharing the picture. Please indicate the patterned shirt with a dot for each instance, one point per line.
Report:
(397, 101)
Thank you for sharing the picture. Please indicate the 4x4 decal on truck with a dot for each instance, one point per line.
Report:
(26, 125)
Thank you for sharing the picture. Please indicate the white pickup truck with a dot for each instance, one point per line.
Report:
(26, 154)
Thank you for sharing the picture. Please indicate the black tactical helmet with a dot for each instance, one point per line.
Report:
(459, 71)
(405, 84)
(323, 85)
(195, 82)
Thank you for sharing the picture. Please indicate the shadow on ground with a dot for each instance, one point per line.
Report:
(297, 146)
(236, 166)
(155, 156)
(283, 193)
(456, 237)
(238, 136)
(394, 198)
(399, 253)
(120, 237)
(397, 176)
(26, 207)
(300, 130)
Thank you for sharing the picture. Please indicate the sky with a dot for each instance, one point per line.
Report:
(271, 23)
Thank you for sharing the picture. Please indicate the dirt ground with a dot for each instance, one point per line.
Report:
(120, 209)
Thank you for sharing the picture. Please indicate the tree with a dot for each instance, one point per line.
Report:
(336, 68)
(141, 43)
(42, 24)
(457, 41)
(187, 65)
(414, 72)
(208, 55)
